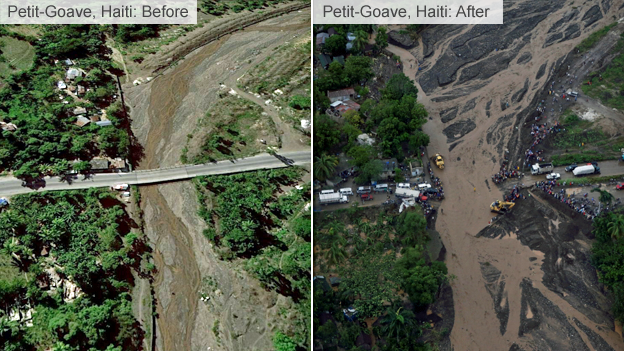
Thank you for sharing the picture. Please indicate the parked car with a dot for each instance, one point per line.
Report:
(619, 186)
(570, 168)
(367, 197)
(553, 176)
(123, 187)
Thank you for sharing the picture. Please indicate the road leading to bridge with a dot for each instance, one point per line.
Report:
(13, 186)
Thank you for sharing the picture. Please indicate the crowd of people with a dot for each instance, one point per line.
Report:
(585, 205)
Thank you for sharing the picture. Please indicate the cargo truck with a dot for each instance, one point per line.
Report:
(333, 198)
(407, 193)
(586, 170)
(541, 168)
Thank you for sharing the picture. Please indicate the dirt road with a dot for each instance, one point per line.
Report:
(491, 82)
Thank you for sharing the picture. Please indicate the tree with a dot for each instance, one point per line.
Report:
(353, 117)
(358, 69)
(361, 39)
(412, 227)
(321, 101)
(398, 324)
(418, 139)
(335, 45)
(282, 342)
(370, 171)
(420, 281)
(398, 175)
(616, 227)
(382, 38)
(398, 86)
(336, 253)
(605, 197)
(326, 133)
(361, 155)
(324, 166)
(82, 166)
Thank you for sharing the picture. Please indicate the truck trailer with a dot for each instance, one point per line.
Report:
(541, 168)
(333, 198)
(586, 170)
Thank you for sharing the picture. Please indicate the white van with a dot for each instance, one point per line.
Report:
(423, 186)
(364, 190)
(403, 185)
(327, 191)
(346, 191)
(381, 187)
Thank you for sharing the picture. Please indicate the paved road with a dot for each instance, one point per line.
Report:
(13, 186)
(607, 168)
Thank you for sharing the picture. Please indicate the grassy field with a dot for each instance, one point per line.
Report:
(17, 55)
(584, 142)
(593, 38)
(232, 128)
(608, 85)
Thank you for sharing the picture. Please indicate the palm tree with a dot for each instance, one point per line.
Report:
(398, 324)
(336, 254)
(616, 227)
(361, 39)
(324, 166)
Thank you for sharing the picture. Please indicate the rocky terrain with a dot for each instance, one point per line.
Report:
(525, 282)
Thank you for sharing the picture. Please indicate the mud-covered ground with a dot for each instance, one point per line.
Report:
(480, 85)
(240, 315)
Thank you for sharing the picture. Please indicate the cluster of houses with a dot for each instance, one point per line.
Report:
(341, 101)
(76, 91)
(325, 59)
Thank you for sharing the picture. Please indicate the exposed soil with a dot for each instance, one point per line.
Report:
(510, 293)
(239, 314)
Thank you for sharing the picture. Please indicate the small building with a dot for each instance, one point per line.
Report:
(82, 121)
(305, 124)
(339, 59)
(346, 106)
(104, 123)
(61, 85)
(72, 73)
(351, 37)
(119, 164)
(320, 39)
(94, 118)
(79, 110)
(80, 89)
(388, 168)
(324, 60)
(99, 164)
(341, 95)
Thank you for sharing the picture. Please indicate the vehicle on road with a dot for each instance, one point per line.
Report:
(501, 207)
(423, 186)
(364, 190)
(381, 187)
(571, 167)
(553, 176)
(123, 187)
(586, 170)
(438, 160)
(619, 186)
(346, 191)
(332, 198)
(367, 197)
(4, 202)
(403, 185)
(541, 168)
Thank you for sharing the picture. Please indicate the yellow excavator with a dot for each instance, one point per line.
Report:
(501, 207)
(439, 161)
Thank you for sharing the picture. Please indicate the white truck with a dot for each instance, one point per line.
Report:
(122, 187)
(586, 170)
(346, 191)
(541, 168)
(364, 190)
(333, 198)
(401, 192)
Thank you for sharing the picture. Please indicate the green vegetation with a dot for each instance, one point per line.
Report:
(593, 38)
(608, 259)
(258, 219)
(46, 138)
(75, 253)
(584, 142)
(608, 85)
(218, 8)
(232, 128)
(382, 262)
(15, 55)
